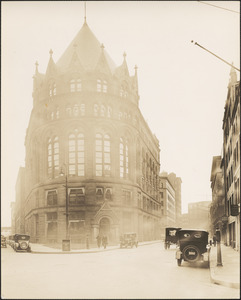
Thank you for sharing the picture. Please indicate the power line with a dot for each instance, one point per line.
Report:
(220, 7)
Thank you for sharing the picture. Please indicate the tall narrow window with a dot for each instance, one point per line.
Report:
(102, 155)
(124, 158)
(53, 157)
(52, 89)
(76, 154)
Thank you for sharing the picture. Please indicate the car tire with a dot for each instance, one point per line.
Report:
(193, 257)
(179, 262)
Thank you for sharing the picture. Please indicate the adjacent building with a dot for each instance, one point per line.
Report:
(92, 163)
(231, 162)
(217, 208)
(198, 215)
(170, 197)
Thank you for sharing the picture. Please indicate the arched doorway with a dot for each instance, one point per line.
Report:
(104, 228)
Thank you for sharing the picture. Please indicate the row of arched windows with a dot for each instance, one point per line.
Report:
(76, 155)
(75, 85)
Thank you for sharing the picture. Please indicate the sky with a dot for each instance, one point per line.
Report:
(182, 87)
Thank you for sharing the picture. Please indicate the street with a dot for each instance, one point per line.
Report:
(145, 272)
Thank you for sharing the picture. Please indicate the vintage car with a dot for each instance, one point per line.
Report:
(3, 242)
(193, 246)
(20, 242)
(171, 236)
(128, 239)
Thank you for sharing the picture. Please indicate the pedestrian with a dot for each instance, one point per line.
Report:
(98, 241)
(104, 241)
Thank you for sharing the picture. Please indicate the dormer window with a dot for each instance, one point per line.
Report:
(101, 86)
(75, 85)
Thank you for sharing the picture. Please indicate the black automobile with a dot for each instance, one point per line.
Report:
(3, 241)
(128, 239)
(171, 236)
(193, 246)
(20, 242)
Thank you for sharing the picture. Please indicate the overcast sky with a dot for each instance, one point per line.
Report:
(182, 87)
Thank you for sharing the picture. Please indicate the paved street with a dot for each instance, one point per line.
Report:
(145, 272)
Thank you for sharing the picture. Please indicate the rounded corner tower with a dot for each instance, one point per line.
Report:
(92, 163)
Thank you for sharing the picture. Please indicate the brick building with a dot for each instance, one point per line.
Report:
(86, 125)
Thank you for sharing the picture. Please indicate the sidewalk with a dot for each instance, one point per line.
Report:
(39, 248)
(229, 273)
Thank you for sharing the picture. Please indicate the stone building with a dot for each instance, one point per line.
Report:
(92, 163)
(217, 208)
(231, 161)
(170, 197)
(199, 215)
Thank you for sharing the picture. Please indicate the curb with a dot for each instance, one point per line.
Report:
(86, 251)
(215, 280)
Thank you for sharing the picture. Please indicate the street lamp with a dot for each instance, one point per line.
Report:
(66, 242)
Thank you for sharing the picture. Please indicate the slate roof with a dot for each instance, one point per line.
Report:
(88, 50)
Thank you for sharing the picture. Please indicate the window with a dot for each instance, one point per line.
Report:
(52, 89)
(126, 197)
(75, 85)
(161, 194)
(124, 158)
(52, 197)
(76, 110)
(53, 157)
(76, 154)
(99, 193)
(108, 194)
(101, 86)
(76, 196)
(52, 216)
(82, 109)
(102, 155)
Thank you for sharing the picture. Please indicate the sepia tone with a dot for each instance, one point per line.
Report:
(93, 182)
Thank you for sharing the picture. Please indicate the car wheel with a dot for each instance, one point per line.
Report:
(179, 262)
(191, 253)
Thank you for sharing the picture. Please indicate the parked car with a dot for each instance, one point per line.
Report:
(171, 236)
(193, 245)
(3, 242)
(128, 239)
(20, 242)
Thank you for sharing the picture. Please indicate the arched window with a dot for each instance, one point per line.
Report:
(76, 154)
(102, 155)
(124, 90)
(124, 158)
(75, 85)
(96, 110)
(53, 157)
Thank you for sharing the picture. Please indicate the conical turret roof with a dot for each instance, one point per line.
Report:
(88, 50)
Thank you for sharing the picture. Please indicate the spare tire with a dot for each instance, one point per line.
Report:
(191, 253)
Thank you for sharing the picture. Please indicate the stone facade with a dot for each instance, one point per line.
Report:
(86, 125)
(231, 162)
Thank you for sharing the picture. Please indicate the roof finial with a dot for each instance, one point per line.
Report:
(124, 55)
(51, 52)
(102, 47)
(36, 68)
(85, 12)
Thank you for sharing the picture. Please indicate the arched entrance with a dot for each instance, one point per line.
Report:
(104, 228)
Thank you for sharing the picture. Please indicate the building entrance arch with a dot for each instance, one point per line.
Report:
(104, 227)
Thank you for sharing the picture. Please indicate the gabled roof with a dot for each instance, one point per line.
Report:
(88, 50)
